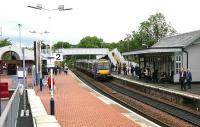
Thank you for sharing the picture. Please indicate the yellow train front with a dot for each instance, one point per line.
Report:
(102, 69)
(98, 68)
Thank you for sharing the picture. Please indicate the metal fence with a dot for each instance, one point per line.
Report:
(9, 115)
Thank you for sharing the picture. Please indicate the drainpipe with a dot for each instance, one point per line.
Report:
(183, 50)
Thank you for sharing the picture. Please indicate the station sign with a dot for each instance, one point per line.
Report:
(50, 63)
(58, 56)
(20, 74)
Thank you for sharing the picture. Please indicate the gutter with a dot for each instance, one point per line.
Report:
(186, 55)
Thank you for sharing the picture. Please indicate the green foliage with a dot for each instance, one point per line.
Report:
(154, 29)
(149, 32)
(5, 42)
(90, 42)
(43, 46)
(61, 44)
(111, 46)
(7, 56)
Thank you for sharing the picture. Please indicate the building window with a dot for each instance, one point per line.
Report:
(178, 64)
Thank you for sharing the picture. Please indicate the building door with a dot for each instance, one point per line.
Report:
(11, 69)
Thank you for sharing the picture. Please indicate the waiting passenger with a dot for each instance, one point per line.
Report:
(182, 79)
(189, 78)
(66, 70)
(49, 82)
(116, 67)
(119, 69)
(132, 70)
(163, 77)
(172, 77)
(112, 67)
(155, 76)
(147, 74)
(125, 69)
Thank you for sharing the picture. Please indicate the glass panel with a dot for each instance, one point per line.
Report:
(103, 66)
(176, 65)
(176, 58)
(177, 71)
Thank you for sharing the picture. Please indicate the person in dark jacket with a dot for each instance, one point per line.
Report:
(189, 78)
(155, 76)
(182, 79)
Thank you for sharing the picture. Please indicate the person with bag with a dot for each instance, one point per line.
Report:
(49, 82)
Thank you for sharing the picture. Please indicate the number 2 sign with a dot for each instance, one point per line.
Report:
(58, 56)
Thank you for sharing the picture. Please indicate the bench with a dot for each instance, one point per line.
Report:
(4, 93)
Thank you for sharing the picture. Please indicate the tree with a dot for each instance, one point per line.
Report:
(61, 44)
(43, 46)
(90, 42)
(154, 29)
(5, 42)
(149, 32)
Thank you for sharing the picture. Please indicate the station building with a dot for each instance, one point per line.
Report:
(11, 57)
(170, 54)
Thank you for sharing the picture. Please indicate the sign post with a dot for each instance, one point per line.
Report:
(58, 56)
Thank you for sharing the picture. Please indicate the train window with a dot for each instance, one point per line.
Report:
(103, 66)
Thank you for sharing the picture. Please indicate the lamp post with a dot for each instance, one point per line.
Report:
(39, 62)
(60, 8)
(19, 25)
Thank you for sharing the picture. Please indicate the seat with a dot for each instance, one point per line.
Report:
(4, 93)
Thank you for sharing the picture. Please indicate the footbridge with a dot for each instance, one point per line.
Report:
(114, 55)
(79, 51)
(85, 51)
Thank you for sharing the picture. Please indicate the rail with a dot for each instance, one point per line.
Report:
(189, 117)
(9, 115)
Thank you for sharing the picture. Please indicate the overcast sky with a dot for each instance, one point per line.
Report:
(110, 20)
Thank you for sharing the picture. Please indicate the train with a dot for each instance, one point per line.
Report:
(99, 69)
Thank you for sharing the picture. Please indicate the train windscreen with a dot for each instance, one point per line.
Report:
(103, 66)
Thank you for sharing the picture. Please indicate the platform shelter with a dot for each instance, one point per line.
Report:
(170, 54)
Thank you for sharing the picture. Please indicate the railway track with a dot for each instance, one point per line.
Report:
(177, 112)
(172, 110)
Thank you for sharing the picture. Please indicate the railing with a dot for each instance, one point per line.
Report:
(9, 115)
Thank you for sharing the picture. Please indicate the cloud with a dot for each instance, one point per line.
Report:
(108, 19)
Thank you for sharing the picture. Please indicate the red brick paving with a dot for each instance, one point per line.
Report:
(76, 107)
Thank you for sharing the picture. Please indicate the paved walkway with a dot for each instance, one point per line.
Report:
(75, 106)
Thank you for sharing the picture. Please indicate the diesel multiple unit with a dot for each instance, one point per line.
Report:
(98, 68)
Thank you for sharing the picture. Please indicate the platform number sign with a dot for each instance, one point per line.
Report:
(58, 56)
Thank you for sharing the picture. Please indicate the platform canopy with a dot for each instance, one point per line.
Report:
(153, 50)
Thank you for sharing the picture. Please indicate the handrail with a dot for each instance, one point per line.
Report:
(9, 115)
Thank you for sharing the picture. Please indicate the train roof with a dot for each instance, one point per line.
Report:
(92, 60)
(87, 61)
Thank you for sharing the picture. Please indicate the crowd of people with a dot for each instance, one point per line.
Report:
(184, 79)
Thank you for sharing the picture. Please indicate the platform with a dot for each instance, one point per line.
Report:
(194, 91)
(76, 105)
